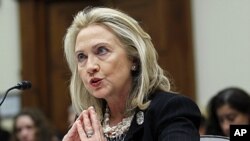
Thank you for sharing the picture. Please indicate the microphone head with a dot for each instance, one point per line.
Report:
(23, 85)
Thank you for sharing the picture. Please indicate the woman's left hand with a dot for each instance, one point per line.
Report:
(87, 127)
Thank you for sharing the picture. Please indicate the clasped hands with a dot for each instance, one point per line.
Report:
(87, 127)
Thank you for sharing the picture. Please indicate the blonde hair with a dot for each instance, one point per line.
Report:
(148, 77)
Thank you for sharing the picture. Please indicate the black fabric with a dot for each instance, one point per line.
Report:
(4, 135)
(170, 117)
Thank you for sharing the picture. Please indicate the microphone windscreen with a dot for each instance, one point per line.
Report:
(24, 85)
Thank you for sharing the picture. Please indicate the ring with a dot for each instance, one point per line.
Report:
(89, 133)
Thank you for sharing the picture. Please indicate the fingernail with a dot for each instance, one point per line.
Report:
(92, 108)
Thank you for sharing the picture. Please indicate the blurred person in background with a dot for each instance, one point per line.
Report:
(31, 125)
(230, 106)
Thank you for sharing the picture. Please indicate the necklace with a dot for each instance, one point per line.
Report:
(118, 132)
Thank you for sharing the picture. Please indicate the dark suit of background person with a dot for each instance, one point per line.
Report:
(4, 135)
(172, 112)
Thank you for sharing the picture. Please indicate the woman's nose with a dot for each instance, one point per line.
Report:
(92, 66)
(23, 132)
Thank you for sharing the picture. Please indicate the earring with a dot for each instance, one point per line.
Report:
(133, 68)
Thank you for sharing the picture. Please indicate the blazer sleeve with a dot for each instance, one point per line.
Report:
(177, 119)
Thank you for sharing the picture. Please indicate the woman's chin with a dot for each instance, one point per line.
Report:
(100, 94)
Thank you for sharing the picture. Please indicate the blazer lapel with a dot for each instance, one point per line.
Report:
(136, 125)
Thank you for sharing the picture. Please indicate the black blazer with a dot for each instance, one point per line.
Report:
(170, 117)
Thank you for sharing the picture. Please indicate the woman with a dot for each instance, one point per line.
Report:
(117, 87)
(31, 125)
(229, 106)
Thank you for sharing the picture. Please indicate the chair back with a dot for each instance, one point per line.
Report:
(213, 138)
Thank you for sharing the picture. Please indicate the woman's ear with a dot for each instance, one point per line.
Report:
(134, 68)
(134, 65)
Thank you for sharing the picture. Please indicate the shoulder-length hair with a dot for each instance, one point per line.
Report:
(44, 130)
(138, 45)
(236, 98)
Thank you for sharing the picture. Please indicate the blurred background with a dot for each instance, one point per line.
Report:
(204, 45)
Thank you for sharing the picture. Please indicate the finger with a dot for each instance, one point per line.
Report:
(71, 133)
(80, 130)
(87, 123)
(96, 124)
(80, 117)
(94, 119)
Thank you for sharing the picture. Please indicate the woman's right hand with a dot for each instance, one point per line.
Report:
(85, 123)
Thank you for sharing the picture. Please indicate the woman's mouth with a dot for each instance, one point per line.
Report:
(95, 82)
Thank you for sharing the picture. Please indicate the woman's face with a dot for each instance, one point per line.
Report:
(228, 115)
(25, 128)
(103, 64)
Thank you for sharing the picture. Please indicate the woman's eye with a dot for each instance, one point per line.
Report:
(231, 117)
(221, 120)
(18, 130)
(102, 50)
(81, 57)
(29, 127)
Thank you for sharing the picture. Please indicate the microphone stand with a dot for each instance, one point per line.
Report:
(5, 95)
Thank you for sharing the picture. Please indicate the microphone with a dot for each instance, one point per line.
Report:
(23, 85)
(20, 86)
